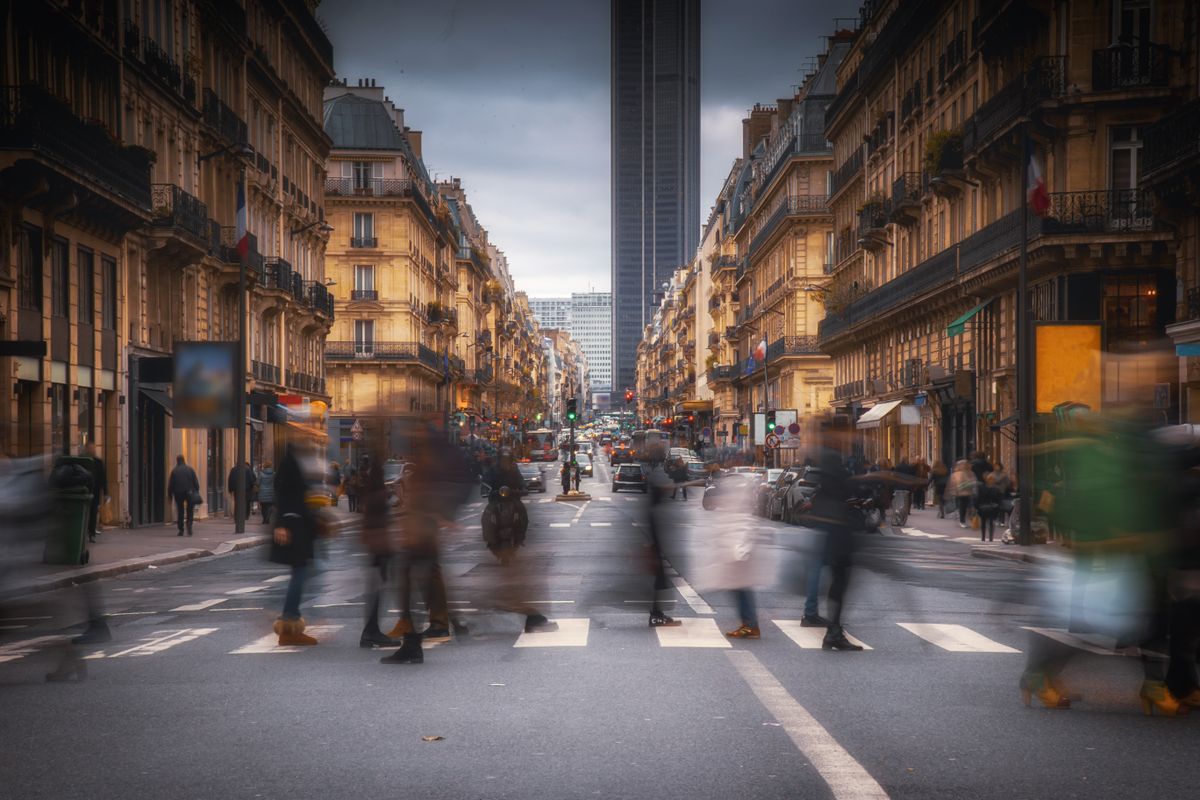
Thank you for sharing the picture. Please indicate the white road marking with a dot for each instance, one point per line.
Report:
(648, 602)
(693, 633)
(278, 579)
(270, 643)
(690, 597)
(570, 633)
(955, 638)
(604, 497)
(12, 627)
(158, 643)
(847, 779)
(582, 508)
(16, 650)
(915, 532)
(203, 604)
(809, 638)
(601, 524)
(547, 500)
(965, 539)
(239, 608)
(335, 605)
(247, 590)
(560, 524)
(547, 602)
(1070, 639)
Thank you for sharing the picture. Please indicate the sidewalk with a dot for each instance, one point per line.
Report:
(120, 550)
(928, 522)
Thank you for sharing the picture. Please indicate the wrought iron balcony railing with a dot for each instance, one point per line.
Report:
(223, 120)
(848, 170)
(279, 274)
(364, 294)
(372, 187)
(1045, 80)
(1128, 66)
(364, 241)
(172, 207)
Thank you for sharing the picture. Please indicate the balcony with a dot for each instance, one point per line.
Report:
(722, 263)
(1172, 142)
(1127, 66)
(1046, 80)
(175, 210)
(367, 242)
(279, 274)
(363, 295)
(373, 187)
(721, 373)
(872, 225)
(849, 170)
(221, 118)
(789, 346)
(265, 373)
(32, 119)
(794, 206)
(796, 145)
(319, 299)
(229, 253)
(906, 199)
(413, 352)
(911, 102)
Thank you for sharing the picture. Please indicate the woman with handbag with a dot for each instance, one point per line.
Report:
(292, 544)
(184, 488)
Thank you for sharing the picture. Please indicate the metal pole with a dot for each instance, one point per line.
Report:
(1025, 409)
(239, 494)
(768, 456)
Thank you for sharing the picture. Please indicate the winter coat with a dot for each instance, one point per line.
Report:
(247, 475)
(292, 512)
(988, 501)
(183, 480)
(266, 485)
(962, 483)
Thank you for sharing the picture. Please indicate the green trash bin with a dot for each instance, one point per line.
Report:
(71, 495)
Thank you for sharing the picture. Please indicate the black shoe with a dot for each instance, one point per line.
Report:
(409, 653)
(189, 531)
(661, 620)
(375, 638)
(96, 632)
(814, 621)
(435, 635)
(536, 623)
(835, 639)
(179, 534)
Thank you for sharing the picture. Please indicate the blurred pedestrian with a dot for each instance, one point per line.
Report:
(734, 559)
(655, 527)
(962, 489)
(987, 502)
(350, 486)
(184, 488)
(380, 547)
(293, 544)
(939, 476)
(576, 473)
(565, 475)
(99, 490)
(333, 481)
(242, 473)
(266, 491)
(920, 471)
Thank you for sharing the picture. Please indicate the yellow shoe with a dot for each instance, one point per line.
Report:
(1036, 684)
(402, 628)
(1155, 696)
(744, 632)
(291, 633)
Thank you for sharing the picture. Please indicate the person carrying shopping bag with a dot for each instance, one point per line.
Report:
(962, 488)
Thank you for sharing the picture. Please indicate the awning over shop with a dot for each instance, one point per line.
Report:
(876, 413)
(694, 405)
(959, 325)
(160, 397)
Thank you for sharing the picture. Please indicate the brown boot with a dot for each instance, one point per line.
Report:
(291, 633)
(402, 628)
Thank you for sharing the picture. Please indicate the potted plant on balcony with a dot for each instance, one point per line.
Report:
(944, 161)
(435, 312)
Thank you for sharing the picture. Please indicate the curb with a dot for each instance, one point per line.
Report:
(85, 574)
(1014, 553)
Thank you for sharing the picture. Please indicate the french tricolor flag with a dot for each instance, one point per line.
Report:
(760, 352)
(1035, 194)
(243, 239)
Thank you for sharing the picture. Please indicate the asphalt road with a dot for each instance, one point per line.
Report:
(192, 699)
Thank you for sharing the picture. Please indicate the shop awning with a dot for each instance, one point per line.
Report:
(959, 325)
(160, 397)
(876, 413)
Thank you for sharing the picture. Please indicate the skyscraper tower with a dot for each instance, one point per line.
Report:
(655, 160)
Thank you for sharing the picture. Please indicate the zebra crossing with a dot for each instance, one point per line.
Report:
(575, 633)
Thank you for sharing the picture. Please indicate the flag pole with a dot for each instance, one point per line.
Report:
(1025, 410)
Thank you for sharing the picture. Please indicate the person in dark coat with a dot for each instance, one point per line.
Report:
(565, 473)
(987, 501)
(180, 486)
(266, 491)
(293, 544)
(99, 491)
(245, 474)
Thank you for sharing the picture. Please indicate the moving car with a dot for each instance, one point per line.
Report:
(731, 487)
(585, 464)
(396, 475)
(629, 476)
(535, 480)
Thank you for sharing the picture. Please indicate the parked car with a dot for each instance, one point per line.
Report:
(629, 476)
(682, 452)
(585, 465)
(766, 491)
(535, 479)
(696, 470)
(797, 496)
(396, 475)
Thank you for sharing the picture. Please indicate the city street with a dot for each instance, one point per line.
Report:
(192, 697)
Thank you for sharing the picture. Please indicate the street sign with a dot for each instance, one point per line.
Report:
(771, 441)
(356, 431)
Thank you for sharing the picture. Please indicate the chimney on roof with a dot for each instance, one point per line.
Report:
(414, 141)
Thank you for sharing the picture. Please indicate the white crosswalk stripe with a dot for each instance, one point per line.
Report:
(270, 642)
(570, 633)
(151, 645)
(694, 632)
(955, 638)
(809, 638)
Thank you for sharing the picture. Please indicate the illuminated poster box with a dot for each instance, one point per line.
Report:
(1067, 357)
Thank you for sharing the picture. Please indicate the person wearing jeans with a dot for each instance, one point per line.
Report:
(293, 544)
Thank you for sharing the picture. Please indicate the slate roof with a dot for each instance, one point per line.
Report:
(359, 123)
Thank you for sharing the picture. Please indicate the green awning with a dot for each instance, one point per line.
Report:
(959, 325)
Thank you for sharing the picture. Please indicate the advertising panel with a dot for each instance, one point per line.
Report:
(205, 386)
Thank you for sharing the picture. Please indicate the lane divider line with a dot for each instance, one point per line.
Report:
(846, 778)
(203, 604)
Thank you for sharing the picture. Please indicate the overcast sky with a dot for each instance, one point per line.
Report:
(513, 97)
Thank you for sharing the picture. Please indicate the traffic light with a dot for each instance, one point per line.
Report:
(691, 419)
(572, 408)
(628, 395)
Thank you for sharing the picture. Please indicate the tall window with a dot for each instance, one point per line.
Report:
(362, 176)
(87, 287)
(29, 293)
(1125, 154)
(108, 294)
(364, 226)
(364, 282)
(60, 278)
(364, 337)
